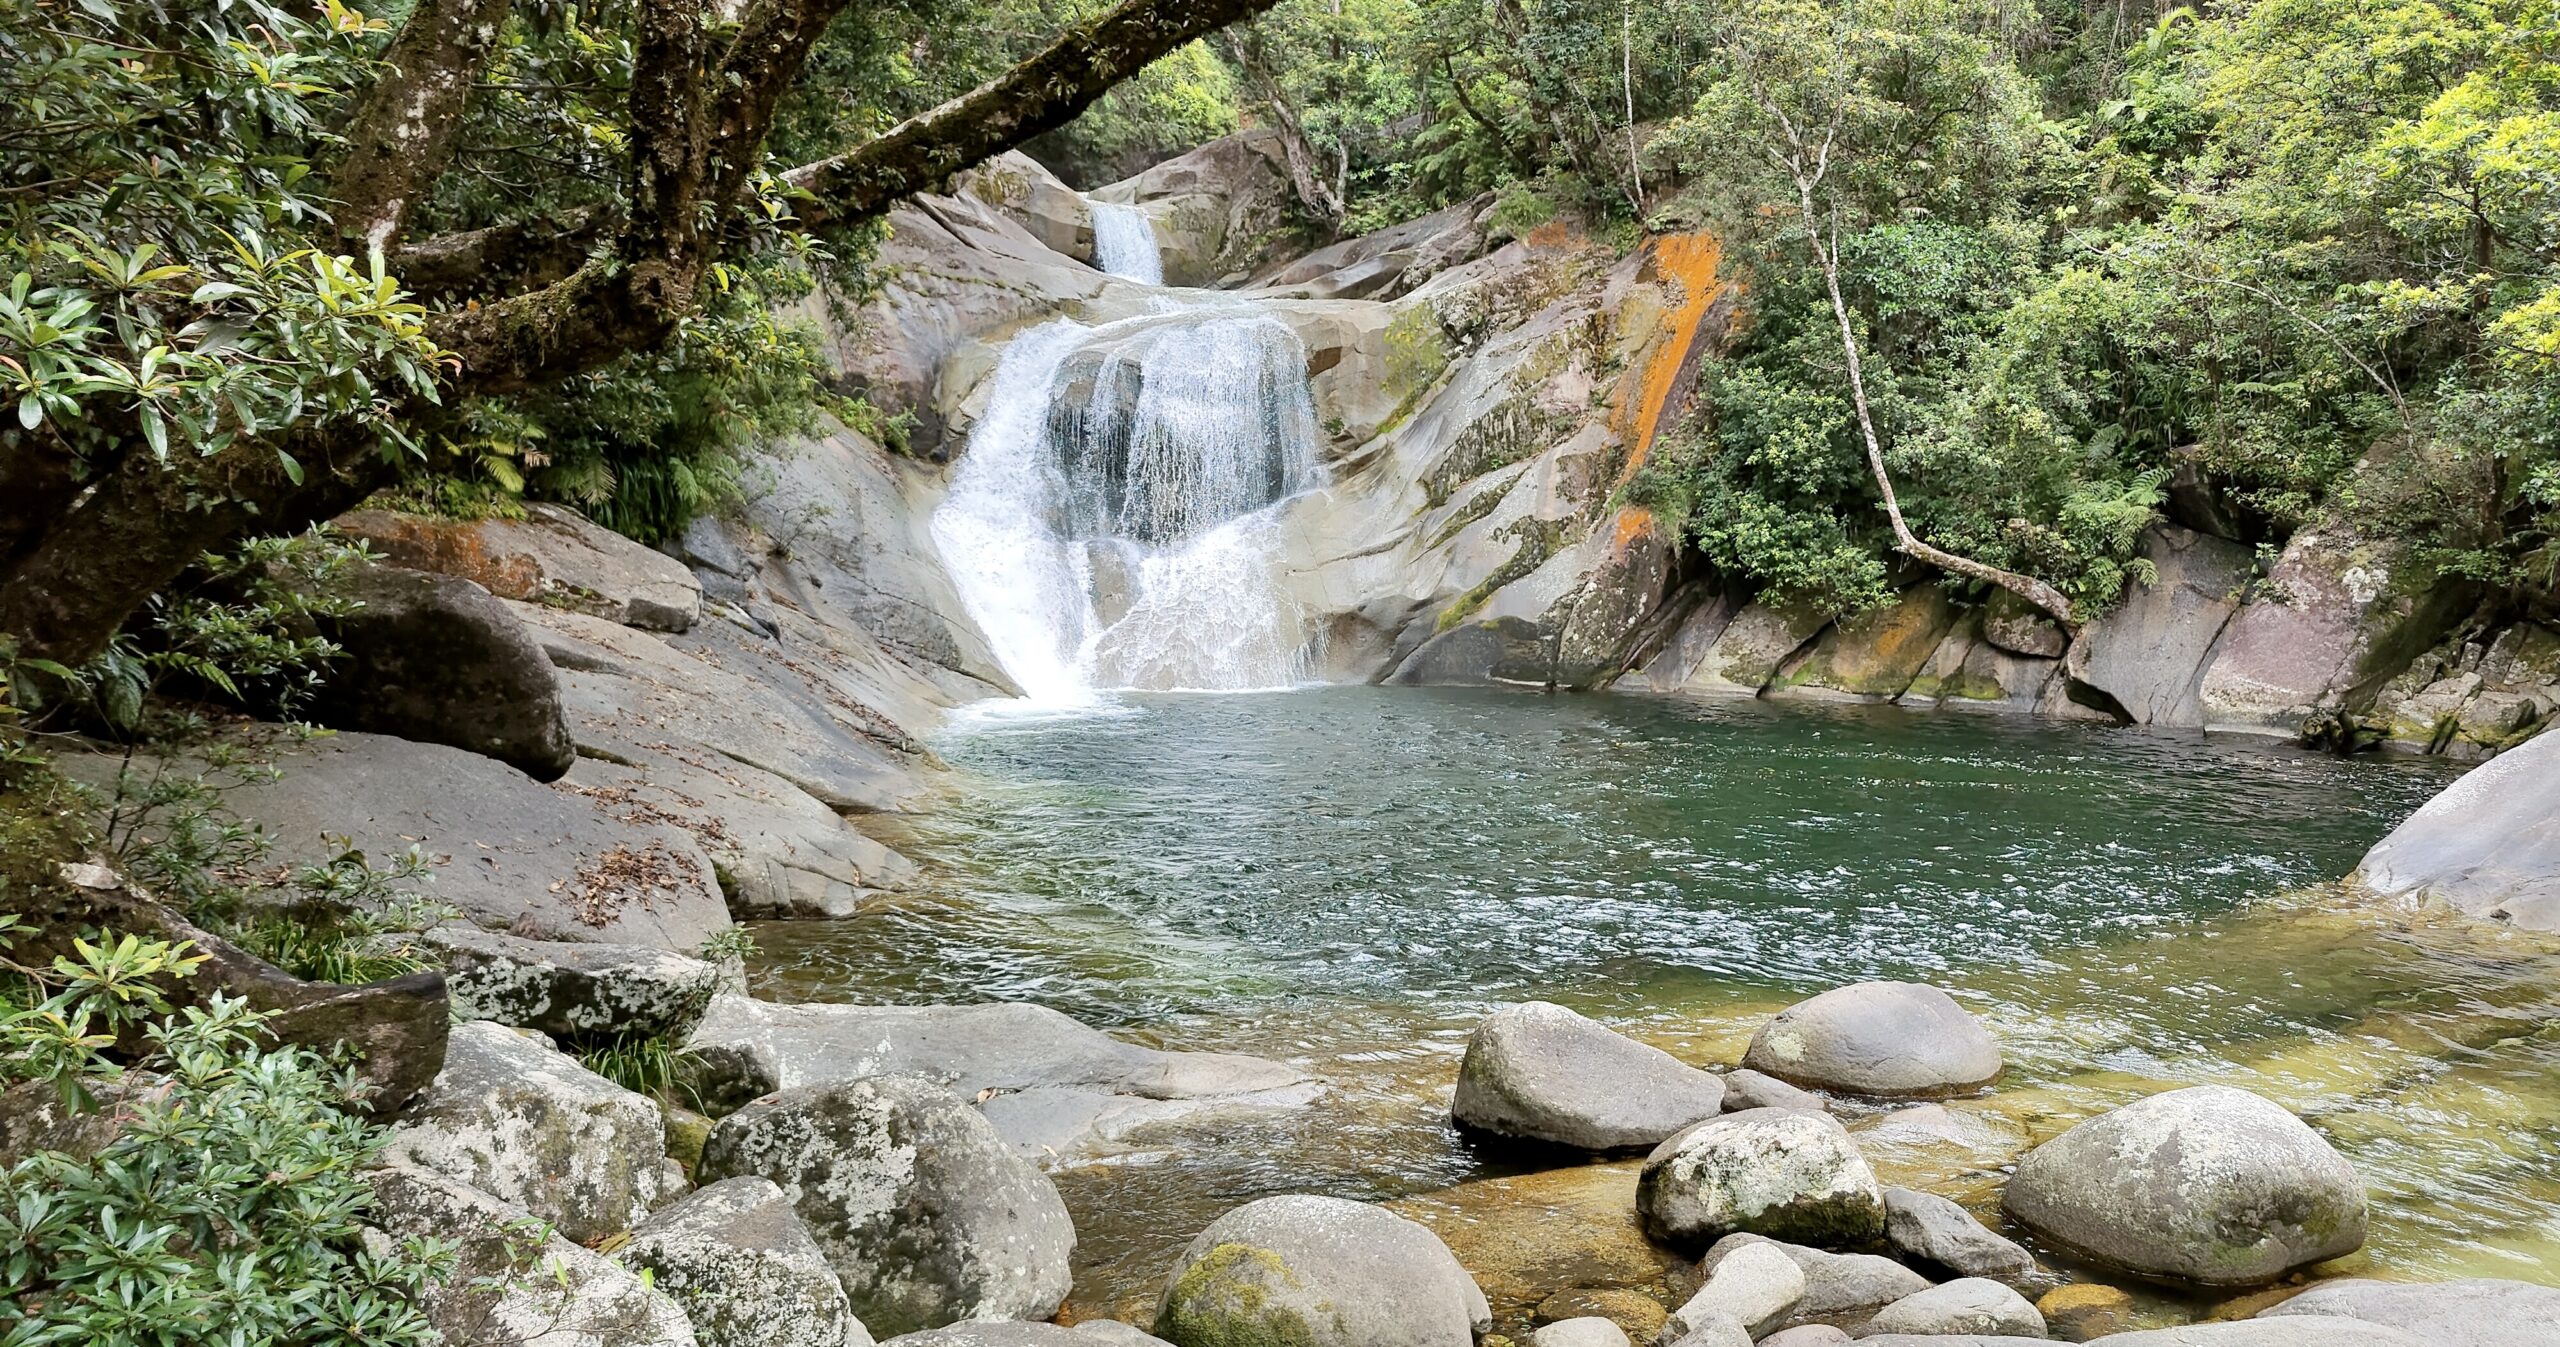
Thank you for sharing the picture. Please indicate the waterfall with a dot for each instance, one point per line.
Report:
(1124, 243)
(1115, 519)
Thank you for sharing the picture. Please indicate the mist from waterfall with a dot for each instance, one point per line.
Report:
(1114, 522)
(1124, 243)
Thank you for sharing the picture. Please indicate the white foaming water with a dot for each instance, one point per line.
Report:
(1124, 243)
(1114, 522)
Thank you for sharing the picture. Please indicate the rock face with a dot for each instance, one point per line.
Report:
(1221, 212)
(1050, 1084)
(1934, 1232)
(1319, 1272)
(2341, 616)
(552, 555)
(737, 1260)
(1882, 1039)
(435, 658)
(565, 988)
(2144, 659)
(2208, 1185)
(513, 1282)
(532, 1128)
(1966, 1305)
(2475, 1312)
(923, 1212)
(2488, 845)
(1540, 1072)
(1782, 1173)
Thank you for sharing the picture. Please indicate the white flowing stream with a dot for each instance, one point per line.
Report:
(1114, 520)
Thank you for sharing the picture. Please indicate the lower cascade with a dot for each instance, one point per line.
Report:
(1116, 519)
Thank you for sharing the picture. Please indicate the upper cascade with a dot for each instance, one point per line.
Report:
(1124, 243)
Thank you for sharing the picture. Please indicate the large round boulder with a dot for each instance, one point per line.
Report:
(1886, 1040)
(926, 1215)
(737, 1259)
(1782, 1173)
(1319, 1272)
(1540, 1072)
(2208, 1185)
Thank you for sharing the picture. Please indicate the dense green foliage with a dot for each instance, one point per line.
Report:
(229, 1205)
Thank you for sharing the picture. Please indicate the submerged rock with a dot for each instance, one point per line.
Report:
(1882, 1039)
(2208, 1185)
(1540, 1072)
(1781, 1173)
(1966, 1305)
(2474, 1312)
(562, 987)
(1934, 1232)
(1319, 1272)
(1048, 1083)
(736, 1258)
(532, 1128)
(923, 1212)
(2084, 1310)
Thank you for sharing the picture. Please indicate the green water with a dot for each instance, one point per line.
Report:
(1348, 878)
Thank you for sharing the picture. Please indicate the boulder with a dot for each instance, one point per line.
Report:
(1807, 1335)
(1782, 1173)
(553, 555)
(1755, 1286)
(1222, 211)
(1588, 1331)
(2474, 1312)
(1746, 654)
(2142, 659)
(1934, 1232)
(1966, 1305)
(515, 1282)
(1091, 1333)
(1048, 1083)
(1540, 1072)
(1881, 1039)
(2019, 627)
(926, 1216)
(436, 659)
(1319, 1272)
(2488, 845)
(1873, 656)
(570, 989)
(2207, 1185)
(1024, 188)
(2082, 1311)
(1717, 1330)
(1745, 1088)
(736, 1258)
(2338, 617)
(2308, 1331)
(34, 1118)
(1842, 1289)
(532, 1128)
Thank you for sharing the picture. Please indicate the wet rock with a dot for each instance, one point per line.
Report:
(1842, 1289)
(1046, 1082)
(1781, 1173)
(1934, 1232)
(2084, 1311)
(2308, 1331)
(2338, 616)
(2143, 659)
(1966, 1305)
(567, 988)
(736, 1258)
(923, 1212)
(532, 1128)
(1745, 1088)
(1754, 1286)
(1319, 1272)
(514, 1281)
(1882, 1039)
(1747, 653)
(1221, 212)
(1636, 1314)
(553, 555)
(1521, 1236)
(1873, 656)
(2208, 1185)
(436, 659)
(2488, 845)
(1093, 1333)
(1806, 1335)
(1540, 1072)
(1590, 1331)
(2475, 1312)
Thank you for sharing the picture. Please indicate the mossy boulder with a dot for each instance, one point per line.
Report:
(738, 1261)
(1301, 1271)
(2208, 1186)
(1782, 1173)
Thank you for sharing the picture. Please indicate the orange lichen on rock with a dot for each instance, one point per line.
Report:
(1634, 522)
(1689, 262)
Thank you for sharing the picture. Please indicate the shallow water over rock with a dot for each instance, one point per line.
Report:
(1348, 878)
